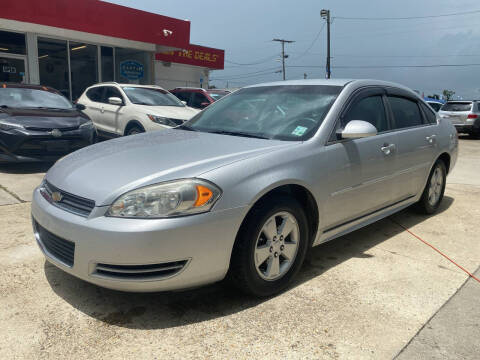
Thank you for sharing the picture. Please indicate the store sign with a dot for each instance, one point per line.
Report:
(9, 69)
(195, 55)
(131, 69)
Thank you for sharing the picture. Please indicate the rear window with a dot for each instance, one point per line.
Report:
(457, 106)
(217, 95)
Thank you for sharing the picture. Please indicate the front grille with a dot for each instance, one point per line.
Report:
(140, 272)
(56, 247)
(50, 147)
(70, 202)
(36, 128)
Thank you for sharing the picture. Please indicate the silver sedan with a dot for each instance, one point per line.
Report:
(245, 188)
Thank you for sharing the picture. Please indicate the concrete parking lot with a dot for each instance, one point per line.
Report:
(377, 293)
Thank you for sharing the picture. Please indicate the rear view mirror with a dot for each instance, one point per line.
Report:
(115, 101)
(356, 129)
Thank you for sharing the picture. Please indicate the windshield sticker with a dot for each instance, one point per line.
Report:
(299, 131)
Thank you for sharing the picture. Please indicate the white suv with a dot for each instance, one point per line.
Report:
(126, 109)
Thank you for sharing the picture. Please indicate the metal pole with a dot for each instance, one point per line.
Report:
(283, 59)
(328, 45)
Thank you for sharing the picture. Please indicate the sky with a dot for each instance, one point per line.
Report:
(360, 48)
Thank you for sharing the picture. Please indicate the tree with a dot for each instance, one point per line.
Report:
(448, 94)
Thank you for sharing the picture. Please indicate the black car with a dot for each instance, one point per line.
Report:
(39, 123)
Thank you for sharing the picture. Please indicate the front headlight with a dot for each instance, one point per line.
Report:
(87, 124)
(165, 121)
(5, 126)
(169, 199)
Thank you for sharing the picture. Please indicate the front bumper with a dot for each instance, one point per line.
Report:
(21, 145)
(203, 243)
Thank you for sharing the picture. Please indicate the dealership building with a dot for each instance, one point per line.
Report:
(70, 45)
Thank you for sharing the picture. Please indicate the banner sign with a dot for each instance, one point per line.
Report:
(195, 55)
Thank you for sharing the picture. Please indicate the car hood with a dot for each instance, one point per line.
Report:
(106, 170)
(173, 112)
(43, 119)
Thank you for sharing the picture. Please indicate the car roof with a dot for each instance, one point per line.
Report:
(127, 85)
(28, 86)
(335, 82)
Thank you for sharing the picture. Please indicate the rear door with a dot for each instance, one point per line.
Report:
(361, 173)
(417, 142)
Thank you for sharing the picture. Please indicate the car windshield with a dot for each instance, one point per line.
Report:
(16, 97)
(217, 95)
(289, 112)
(457, 106)
(151, 96)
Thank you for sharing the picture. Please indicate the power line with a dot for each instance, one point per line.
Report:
(262, 61)
(313, 42)
(283, 41)
(386, 66)
(247, 75)
(406, 17)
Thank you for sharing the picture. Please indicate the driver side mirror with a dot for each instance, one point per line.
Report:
(115, 101)
(356, 129)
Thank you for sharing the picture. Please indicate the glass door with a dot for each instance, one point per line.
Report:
(12, 69)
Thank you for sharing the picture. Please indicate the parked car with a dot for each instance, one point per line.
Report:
(199, 98)
(39, 123)
(126, 109)
(434, 104)
(245, 188)
(464, 115)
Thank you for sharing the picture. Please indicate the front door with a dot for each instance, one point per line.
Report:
(12, 69)
(361, 171)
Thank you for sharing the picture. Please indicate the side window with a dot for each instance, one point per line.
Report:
(95, 94)
(368, 109)
(198, 99)
(110, 91)
(405, 112)
(429, 114)
(183, 96)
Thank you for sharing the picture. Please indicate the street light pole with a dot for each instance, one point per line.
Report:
(283, 53)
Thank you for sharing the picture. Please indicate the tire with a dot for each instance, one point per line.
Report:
(428, 203)
(134, 130)
(252, 244)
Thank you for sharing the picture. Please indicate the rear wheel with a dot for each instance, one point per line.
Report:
(270, 247)
(433, 193)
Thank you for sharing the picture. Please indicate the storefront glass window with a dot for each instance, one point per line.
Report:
(53, 64)
(107, 63)
(132, 66)
(13, 43)
(84, 67)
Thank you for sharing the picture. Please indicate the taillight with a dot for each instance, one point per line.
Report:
(472, 116)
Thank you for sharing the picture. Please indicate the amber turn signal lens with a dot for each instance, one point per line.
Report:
(204, 194)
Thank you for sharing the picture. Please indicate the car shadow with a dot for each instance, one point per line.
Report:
(172, 309)
(25, 168)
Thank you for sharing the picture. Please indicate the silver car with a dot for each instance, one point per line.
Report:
(464, 115)
(245, 188)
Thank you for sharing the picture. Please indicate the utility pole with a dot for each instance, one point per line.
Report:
(283, 53)
(326, 15)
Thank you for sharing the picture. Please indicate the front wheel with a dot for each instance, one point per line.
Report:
(270, 247)
(433, 193)
(135, 130)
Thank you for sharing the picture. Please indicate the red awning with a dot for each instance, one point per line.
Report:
(98, 17)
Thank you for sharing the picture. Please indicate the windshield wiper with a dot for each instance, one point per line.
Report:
(235, 133)
(185, 127)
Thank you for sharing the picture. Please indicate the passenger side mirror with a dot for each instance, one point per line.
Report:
(184, 102)
(115, 101)
(80, 107)
(356, 129)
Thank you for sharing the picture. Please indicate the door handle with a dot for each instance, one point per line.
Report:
(431, 139)
(387, 149)
(102, 110)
